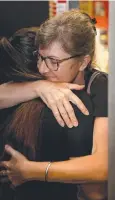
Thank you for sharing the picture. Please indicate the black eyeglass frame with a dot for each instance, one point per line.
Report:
(57, 61)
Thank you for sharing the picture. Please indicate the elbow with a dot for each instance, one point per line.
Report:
(100, 175)
(102, 172)
(103, 175)
(101, 167)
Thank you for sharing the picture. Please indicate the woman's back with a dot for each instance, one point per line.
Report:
(55, 143)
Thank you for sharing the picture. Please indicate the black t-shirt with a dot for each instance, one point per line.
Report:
(99, 92)
(58, 144)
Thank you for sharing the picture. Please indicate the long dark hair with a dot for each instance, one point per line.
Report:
(18, 64)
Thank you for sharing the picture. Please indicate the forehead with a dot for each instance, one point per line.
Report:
(54, 49)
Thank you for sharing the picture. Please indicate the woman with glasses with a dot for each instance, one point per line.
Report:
(50, 93)
(66, 49)
(31, 127)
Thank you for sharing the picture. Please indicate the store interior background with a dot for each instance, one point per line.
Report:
(15, 15)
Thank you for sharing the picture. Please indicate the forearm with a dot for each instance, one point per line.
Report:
(15, 93)
(85, 169)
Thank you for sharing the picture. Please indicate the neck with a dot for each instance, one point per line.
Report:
(80, 78)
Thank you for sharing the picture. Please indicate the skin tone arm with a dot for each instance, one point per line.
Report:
(95, 191)
(55, 95)
(88, 169)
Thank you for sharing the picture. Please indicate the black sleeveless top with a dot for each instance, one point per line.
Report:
(58, 144)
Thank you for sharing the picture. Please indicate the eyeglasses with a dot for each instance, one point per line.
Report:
(51, 63)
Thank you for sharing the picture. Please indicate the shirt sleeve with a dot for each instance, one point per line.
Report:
(99, 95)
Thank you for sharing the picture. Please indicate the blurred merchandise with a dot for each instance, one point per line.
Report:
(57, 6)
(99, 10)
(86, 6)
(101, 53)
(62, 5)
(101, 15)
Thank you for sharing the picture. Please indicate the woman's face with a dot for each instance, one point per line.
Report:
(66, 71)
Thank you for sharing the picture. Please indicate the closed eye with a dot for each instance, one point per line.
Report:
(53, 61)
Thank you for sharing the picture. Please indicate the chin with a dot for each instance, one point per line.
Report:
(53, 79)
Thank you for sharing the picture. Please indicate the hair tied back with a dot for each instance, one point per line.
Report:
(94, 21)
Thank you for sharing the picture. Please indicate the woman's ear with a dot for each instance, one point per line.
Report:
(85, 62)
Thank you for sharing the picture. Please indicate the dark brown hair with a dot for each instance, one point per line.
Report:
(17, 63)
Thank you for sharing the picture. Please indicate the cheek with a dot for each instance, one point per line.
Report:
(66, 74)
(73, 70)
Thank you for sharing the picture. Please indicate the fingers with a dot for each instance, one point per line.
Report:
(75, 86)
(4, 172)
(62, 110)
(64, 114)
(4, 164)
(74, 99)
(70, 111)
(44, 99)
(11, 151)
(52, 104)
(57, 115)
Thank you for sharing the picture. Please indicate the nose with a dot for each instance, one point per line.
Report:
(42, 67)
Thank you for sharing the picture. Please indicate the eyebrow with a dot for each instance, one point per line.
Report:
(54, 57)
(51, 56)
